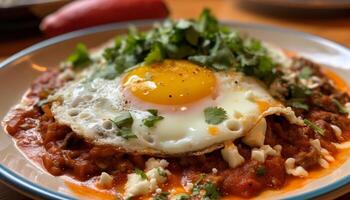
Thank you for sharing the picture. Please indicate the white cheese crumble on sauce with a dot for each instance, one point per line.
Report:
(344, 145)
(326, 157)
(136, 185)
(337, 132)
(231, 155)
(105, 180)
(264, 151)
(293, 170)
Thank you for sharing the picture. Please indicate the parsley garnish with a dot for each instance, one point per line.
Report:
(126, 133)
(299, 92)
(340, 107)
(123, 118)
(260, 171)
(141, 173)
(162, 196)
(214, 115)
(182, 196)
(298, 103)
(316, 128)
(150, 121)
(203, 41)
(80, 58)
(305, 73)
(123, 121)
(211, 192)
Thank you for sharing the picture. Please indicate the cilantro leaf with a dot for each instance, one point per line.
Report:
(153, 111)
(80, 58)
(141, 173)
(123, 119)
(162, 196)
(297, 91)
(155, 55)
(298, 103)
(182, 196)
(211, 192)
(126, 133)
(316, 128)
(203, 41)
(305, 73)
(214, 115)
(340, 107)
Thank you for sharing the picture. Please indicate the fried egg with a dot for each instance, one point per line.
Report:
(180, 91)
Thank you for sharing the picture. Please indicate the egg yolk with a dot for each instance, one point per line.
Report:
(171, 82)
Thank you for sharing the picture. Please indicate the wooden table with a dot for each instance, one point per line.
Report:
(335, 28)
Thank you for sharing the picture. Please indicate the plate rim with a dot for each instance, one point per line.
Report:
(32, 189)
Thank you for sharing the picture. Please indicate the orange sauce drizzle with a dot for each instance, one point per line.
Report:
(339, 83)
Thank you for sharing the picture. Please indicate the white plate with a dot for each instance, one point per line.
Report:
(17, 72)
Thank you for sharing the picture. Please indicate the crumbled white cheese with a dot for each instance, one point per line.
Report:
(312, 82)
(154, 163)
(261, 154)
(214, 170)
(323, 163)
(325, 155)
(155, 171)
(231, 155)
(295, 171)
(344, 145)
(136, 186)
(256, 136)
(105, 180)
(337, 132)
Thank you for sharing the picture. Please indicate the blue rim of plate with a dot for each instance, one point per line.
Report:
(34, 190)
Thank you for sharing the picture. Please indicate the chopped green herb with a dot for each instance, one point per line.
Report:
(211, 192)
(80, 58)
(150, 121)
(297, 91)
(298, 103)
(260, 171)
(214, 115)
(141, 173)
(126, 133)
(340, 107)
(203, 41)
(154, 112)
(123, 119)
(161, 172)
(316, 128)
(305, 73)
(162, 196)
(182, 196)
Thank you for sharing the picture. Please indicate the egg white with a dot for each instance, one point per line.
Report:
(88, 106)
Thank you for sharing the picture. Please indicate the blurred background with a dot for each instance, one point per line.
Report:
(26, 22)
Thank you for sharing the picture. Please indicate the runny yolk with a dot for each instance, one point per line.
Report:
(171, 82)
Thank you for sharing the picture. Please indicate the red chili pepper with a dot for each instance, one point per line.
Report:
(85, 13)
